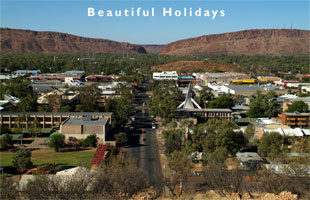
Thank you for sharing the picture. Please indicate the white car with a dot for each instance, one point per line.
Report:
(153, 126)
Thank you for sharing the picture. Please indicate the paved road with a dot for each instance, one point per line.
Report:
(145, 152)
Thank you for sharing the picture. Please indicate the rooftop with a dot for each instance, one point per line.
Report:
(85, 122)
(251, 88)
(59, 113)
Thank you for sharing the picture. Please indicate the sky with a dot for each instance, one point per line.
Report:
(71, 16)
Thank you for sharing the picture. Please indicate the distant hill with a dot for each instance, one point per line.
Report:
(192, 66)
(27, 41)
(153, 48)
(269, 42)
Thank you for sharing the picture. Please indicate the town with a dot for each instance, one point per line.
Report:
(123, 130)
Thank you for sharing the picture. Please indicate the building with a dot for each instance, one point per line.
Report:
(13, 100)
(296, 119)
(288, 99)
(80, 128)
(189, 108)
(46, 119)
(250, 90)
(244, 81)
(75, 72)
(24, 72)
(296, 132)
(269, 79)
(67, 96)
(56, 77)
(225, 77)
(165, 75)
(305, 87)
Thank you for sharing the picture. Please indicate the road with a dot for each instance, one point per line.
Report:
(145, 152)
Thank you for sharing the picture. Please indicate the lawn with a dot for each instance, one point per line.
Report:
(76, 158)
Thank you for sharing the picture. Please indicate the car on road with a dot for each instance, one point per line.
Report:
(153, 126)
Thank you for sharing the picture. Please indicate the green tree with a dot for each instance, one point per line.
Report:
(271, 145)
(88, 98)
(173, 140)
(22, 160)
(90, 141)
(6, 142)
(27, 104)
(299, 106)
(57, 141)
(263, 105)
(204, 97)
(224, 101)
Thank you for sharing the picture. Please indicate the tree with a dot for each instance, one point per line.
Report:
(204, 97)
(271, 144)
(222, 180)
(181, 166)
(6, 142)
(249, 132)
(90, 141)
(220, 139)
(224, 101)
(22, 160)
(263, 105)
(89, 97)
(54, 101)
(57, 141)
(27, 104)
(173, 140)
(299, 106)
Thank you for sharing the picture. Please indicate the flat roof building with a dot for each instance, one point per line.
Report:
(296, 119)
(80, 128)
(165, 75)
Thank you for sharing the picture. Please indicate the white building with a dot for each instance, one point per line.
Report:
(166, 75)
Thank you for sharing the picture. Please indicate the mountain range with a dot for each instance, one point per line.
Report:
(269, 42)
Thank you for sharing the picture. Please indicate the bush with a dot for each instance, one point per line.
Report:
(57, 141)
(22, 160)
(90, 141)
(6, 142)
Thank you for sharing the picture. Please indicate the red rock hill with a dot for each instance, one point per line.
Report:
(27, 41)
(269, 42)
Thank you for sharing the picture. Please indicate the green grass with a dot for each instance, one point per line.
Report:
(61, 158)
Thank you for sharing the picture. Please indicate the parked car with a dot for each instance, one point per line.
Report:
(153, 126)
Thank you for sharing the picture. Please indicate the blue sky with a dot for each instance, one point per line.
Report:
(70, 16)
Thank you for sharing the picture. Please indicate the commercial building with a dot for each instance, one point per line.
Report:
(269, 79)
(165, 75)
(250, 90)
(80, 128)
(46, 119)
(225, 77)
(296, 119)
